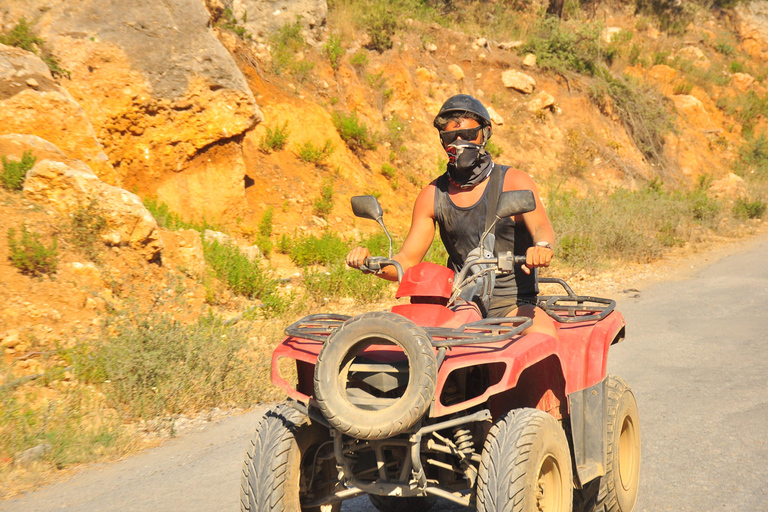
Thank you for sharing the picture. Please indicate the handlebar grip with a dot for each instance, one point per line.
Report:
(372, 264)
(519, 260)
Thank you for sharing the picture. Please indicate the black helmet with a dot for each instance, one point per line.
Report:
(463, 103)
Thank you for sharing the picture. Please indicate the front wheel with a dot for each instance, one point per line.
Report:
(288, 462)
(617, 490)
(526, 465)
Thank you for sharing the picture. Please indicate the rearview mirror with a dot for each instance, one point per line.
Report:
(515, 202)
(367, 207)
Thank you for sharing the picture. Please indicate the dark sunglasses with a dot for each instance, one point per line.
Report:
(465, 134)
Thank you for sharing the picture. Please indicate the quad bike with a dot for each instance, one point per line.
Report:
(429, 401)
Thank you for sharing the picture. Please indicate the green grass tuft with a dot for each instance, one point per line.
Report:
(14, 173)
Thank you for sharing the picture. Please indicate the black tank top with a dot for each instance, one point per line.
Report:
(461, 229)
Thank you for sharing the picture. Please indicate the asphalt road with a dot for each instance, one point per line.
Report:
(696, 356)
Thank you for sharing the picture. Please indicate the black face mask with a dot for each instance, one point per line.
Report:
(468, 163)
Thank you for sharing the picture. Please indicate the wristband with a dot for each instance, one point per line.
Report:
(544, 244)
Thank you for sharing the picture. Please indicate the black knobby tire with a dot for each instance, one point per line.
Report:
(617, 490)
(526, 465)
(339, 354)
(270, 481)
(408, 504)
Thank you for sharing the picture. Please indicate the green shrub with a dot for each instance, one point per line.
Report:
(493, 149)
(747, 109)
(725, 48)
(86, 224)
(381, 24)
(230, 22)
(171, 220)
(323, 205)
(640, 107)
(285, 43)
(353, 131)
(312, 154)
(241, 274)
(753, 157)
(62, 422)
(627, 225)
(560, 49)
(21, 36)
(275, 139)
(341, 281)
(310, 250)
(265, 231)
(14, 173)
(683, 88)
(359, 60)
(149, 364)
(388, 171)
(745, 208)
(29, 254)
(334, 51)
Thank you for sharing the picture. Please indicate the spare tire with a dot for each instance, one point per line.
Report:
(368, 388)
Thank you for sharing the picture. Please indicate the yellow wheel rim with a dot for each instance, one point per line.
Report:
(627, 455)
(549, 486)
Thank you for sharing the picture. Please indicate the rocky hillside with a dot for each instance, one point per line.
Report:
(262, 118)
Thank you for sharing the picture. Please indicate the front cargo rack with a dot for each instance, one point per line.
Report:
(316, 327)
(572, 308)
(321, 326)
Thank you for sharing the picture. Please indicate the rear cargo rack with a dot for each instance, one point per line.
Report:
(572, 308)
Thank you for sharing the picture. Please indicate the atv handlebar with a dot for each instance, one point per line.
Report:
(375, 264)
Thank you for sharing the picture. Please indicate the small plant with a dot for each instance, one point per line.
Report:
(359, 61)
(21, 36)
(493, 149)
(737, 67)
(29, 254)
(753, 157)
(388, 171)
(312, 154)
(381, 25)
(353, 131)
(286, 42)
(323, 205)
(85, 228)
(230, 22)
(744, 208)
(14, 173)
(241, 274)
(171, 220)
(683, 88)
(275, 139)
(311, 250)
(334, 51)
(265, 231)
(725, 48)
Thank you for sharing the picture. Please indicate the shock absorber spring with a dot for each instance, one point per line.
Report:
(464, 442)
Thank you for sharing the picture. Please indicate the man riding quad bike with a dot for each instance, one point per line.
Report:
(479, 391)
(431, 400)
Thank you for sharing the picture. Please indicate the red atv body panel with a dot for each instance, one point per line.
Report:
(574, 362)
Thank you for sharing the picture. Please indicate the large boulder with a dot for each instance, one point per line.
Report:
(67, 189)
(261, 18)
(32, 103)
(158, 87)
(752, 26)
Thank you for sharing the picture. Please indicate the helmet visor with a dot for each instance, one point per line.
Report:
(468, 134)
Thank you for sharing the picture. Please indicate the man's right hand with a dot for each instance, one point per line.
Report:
(356, 257)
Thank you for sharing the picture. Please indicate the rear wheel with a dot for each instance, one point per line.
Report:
(617, 490)
(409, 504)
(526, 465)
(288, 462)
